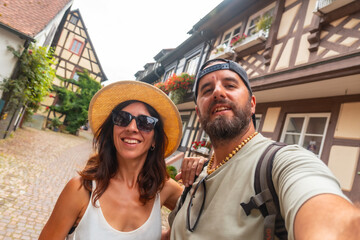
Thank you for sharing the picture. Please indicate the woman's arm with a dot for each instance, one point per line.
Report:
(170, 193)
(70, 205)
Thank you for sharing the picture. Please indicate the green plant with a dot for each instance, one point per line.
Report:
(161, 86)
(264, 23)
(220, 48)
(171, 171)
(175, 82)
(177, 86)
(237, 39)
(55, 122)
(33, 81)
(75, 104)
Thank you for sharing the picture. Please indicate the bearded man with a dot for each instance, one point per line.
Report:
(311, 201)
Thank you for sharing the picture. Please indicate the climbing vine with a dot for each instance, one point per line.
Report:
(75, 104)
(34, 78)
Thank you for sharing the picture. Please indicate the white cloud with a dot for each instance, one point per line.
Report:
(128, 34)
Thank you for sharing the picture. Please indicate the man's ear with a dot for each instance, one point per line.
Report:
(253, 104)
(197, 110)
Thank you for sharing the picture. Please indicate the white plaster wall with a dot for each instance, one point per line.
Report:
(7, 59)
(42, 35)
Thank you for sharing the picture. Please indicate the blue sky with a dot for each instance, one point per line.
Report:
(128, 34)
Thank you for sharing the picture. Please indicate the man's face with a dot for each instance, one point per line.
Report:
(224, 105)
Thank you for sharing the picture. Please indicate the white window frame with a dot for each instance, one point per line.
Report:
(204, 137)
(169, 73)
(226, 41)
(191, 64)
(304, 127)
(259, 14)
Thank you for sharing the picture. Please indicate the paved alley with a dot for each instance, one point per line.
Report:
(34, 167)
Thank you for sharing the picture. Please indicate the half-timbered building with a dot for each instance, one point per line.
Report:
(303, 61)
(23, 23)
(74, 52)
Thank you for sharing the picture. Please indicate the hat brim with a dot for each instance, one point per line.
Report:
(106, 99)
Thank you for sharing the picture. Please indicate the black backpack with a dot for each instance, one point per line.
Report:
(266, 199)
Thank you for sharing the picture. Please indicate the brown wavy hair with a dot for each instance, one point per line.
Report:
(103, 165)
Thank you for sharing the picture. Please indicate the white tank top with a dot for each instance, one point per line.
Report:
(93, 225)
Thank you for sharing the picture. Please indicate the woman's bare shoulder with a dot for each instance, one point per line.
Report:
(69, 208)
(75, 186)
(170, 193)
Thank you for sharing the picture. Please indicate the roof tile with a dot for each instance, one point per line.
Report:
(29, 16)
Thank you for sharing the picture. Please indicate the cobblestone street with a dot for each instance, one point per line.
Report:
(34, 167)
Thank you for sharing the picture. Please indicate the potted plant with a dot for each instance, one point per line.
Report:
(55, 123)
(237, 39)
(201, 146)
(177, 86)
(264, 23)
(222, 51)
(161, 86)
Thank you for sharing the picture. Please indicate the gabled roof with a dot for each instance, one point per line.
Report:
(162, 53)
(149, 65)
(30, 17)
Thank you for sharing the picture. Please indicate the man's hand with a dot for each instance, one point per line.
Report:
(190, 167)
(165, 234)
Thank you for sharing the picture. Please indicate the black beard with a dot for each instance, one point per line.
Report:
(222, 128)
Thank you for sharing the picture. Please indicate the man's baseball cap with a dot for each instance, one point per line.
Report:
(226, 65)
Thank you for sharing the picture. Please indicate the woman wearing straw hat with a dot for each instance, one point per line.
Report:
(119, 193)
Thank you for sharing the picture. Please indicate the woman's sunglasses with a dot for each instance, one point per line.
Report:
(143, 122)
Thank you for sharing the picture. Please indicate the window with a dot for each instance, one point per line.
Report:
(230, 35)
(254, 19)
(169, 74)
(307, 130)
(75, 74)
(74, 19)
(76, 46)
(257, 121)
(191, 64)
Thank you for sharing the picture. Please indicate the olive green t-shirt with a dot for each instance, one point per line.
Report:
(297, 173)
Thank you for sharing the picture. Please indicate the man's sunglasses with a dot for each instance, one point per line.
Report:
(143, 122)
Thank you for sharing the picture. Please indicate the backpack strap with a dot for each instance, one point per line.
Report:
(266, 199)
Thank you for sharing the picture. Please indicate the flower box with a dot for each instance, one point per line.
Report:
(203, 150)
(222, 52)
(252, 40)
(325, 6)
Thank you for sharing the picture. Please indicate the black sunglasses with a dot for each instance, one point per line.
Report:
(194, 210)
(143, 122)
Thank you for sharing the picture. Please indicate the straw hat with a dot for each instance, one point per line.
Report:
(106, 99)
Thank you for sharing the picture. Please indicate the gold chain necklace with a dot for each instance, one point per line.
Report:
(231, 154)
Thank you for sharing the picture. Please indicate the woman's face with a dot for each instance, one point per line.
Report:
(129, 141)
